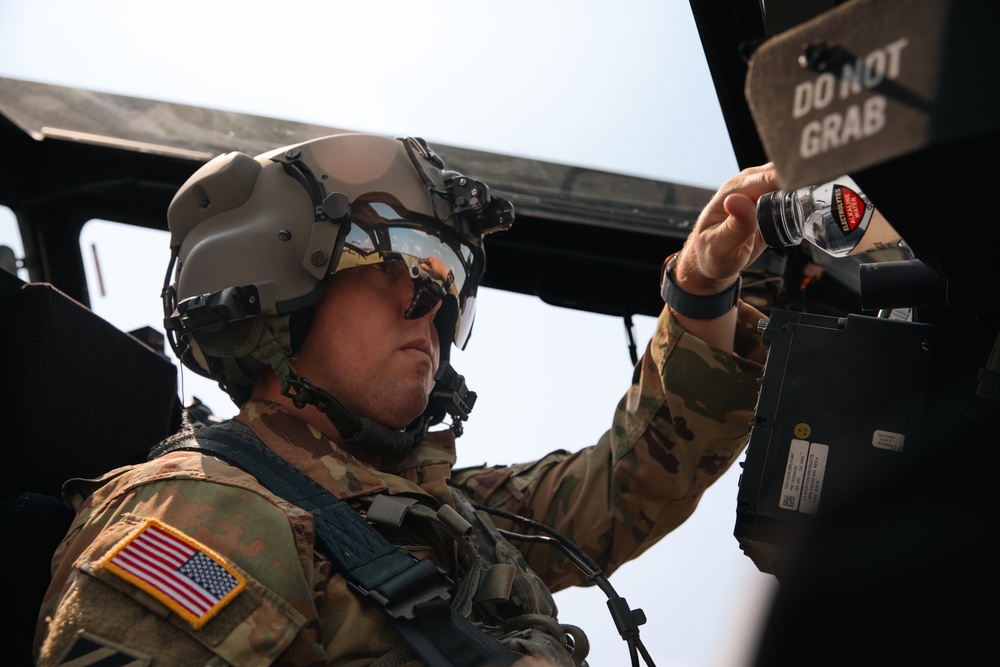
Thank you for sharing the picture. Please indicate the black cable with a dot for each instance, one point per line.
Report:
(563, 541)
(627, 620)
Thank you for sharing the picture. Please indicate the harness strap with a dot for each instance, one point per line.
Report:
(494, 581)
(414, 592)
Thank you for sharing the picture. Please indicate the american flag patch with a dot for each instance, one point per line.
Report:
(188, 577)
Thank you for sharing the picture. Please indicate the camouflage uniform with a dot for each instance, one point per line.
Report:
(679, 427)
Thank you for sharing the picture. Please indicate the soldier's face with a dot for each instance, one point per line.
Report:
(362, 349)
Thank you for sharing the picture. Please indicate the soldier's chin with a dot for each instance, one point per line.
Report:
(403, 416)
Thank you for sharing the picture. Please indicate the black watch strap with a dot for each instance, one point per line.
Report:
(693, 306)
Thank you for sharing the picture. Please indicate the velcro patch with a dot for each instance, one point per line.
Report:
(188, 577)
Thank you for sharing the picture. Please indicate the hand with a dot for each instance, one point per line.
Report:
(726, 238)
(724, 241)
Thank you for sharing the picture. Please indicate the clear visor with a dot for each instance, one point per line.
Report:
(441, 267)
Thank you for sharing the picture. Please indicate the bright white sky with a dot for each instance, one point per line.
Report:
(620, 86)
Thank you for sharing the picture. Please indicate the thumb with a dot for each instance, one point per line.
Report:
(742, 230)
(743, 213)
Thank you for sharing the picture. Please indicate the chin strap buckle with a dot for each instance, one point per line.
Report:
(451, 395)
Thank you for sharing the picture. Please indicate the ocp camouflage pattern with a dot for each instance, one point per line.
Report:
(679, 427)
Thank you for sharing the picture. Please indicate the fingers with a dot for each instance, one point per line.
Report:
(756, 181)
(726, 238)
(750, 184)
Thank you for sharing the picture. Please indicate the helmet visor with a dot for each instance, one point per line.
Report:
(440, 265)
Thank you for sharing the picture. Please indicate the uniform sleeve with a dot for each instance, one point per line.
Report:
(681, 425)
(179, 571)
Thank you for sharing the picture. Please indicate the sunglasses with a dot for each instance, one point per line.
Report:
(441, 266)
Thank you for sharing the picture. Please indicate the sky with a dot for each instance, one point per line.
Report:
(618, 86)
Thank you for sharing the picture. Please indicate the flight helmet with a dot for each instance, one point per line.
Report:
(254, 241)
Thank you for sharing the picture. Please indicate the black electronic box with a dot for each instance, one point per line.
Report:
(839, 409)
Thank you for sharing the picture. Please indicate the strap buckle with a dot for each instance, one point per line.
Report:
(400, 594)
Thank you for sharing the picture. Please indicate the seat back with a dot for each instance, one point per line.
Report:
(80, 397)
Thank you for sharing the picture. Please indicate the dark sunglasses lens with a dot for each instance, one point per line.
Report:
(426, 295)
(448, 265)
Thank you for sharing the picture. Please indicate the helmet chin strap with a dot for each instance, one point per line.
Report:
(358, 431)
(450, 397)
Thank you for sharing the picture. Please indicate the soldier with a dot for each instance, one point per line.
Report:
(322, 285)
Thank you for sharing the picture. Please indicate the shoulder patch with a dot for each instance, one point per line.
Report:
(188, 577)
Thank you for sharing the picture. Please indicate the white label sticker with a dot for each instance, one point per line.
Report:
(812, 486)
(804, 472)
(791, 488)
(888, 440)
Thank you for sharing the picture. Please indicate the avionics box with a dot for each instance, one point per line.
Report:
(839, 408)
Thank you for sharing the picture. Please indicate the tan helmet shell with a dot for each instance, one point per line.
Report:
(247, 221)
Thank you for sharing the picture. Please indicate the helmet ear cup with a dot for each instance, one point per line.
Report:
(236, 339)
(246, 347)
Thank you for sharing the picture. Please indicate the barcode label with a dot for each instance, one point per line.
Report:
(804, 472)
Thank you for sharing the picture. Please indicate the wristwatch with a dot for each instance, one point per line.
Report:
(690, 305)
